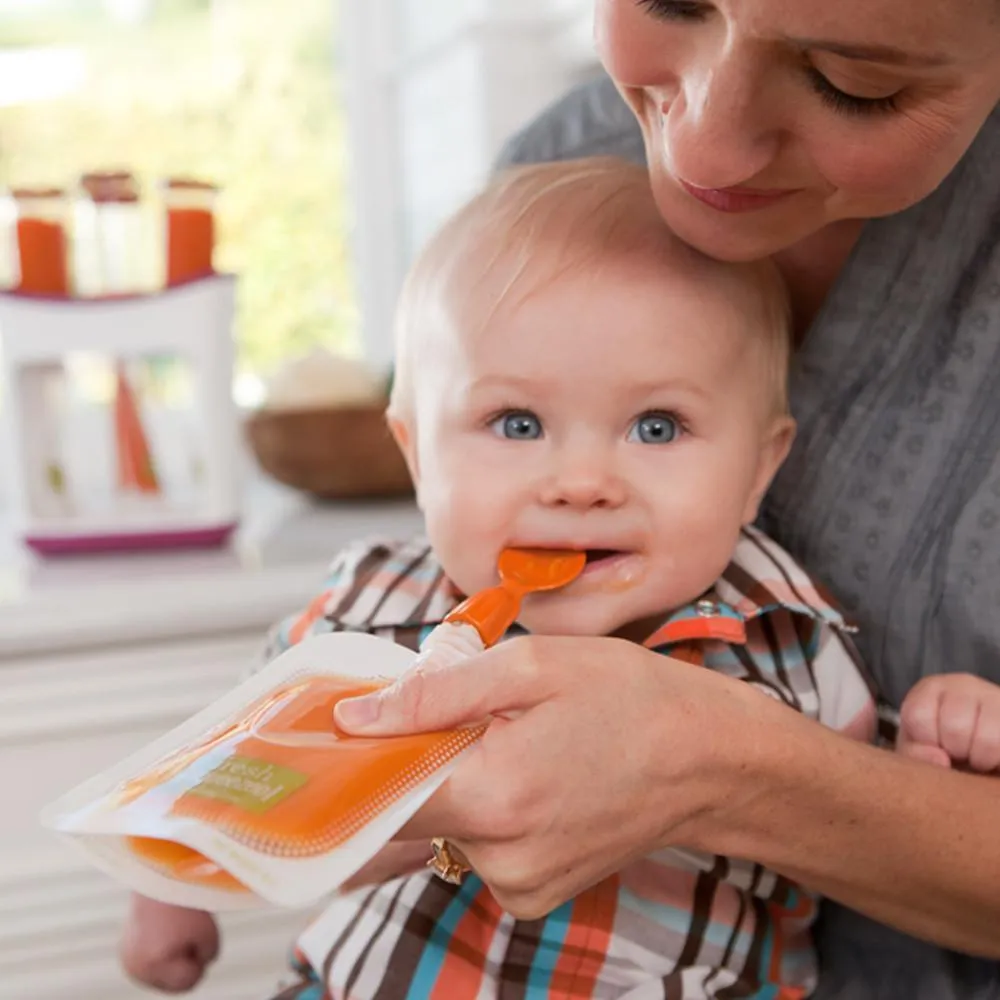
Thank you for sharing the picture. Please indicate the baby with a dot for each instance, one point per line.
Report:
(569, 374)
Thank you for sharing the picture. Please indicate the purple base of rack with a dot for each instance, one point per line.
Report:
(70, 545)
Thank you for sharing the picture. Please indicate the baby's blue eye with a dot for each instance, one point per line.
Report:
(654, 428)
(519, 426)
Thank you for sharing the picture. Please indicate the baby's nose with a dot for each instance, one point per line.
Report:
(584, 483)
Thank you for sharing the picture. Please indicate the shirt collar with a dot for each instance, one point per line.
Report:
(761, 578)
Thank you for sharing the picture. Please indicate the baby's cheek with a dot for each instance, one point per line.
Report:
(461, 532)
(696, 542)
(695, 517)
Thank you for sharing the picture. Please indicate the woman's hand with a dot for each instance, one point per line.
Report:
(599, 752)
(401, 857)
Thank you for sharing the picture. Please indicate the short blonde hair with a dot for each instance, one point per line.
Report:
(533, 223)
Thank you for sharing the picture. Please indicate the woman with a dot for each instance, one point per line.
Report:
(858, 143)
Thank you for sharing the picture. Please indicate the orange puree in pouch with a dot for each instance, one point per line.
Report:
(290, 784)
(183, 863)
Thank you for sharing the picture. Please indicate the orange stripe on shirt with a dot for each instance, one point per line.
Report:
(779, 915)
(315, 611)
(587, 940)
(464, 965)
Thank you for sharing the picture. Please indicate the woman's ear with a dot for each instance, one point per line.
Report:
(407, 445)
(774, 449)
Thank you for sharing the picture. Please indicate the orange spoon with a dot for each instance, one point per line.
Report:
(522, 571)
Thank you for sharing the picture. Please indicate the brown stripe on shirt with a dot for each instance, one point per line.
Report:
(775, 648)
(419, 928)
(420, 611)
(525, 938)
(366, 569)
(403, 574)
(750, 587)
(346, 933)
(748, 985)
(753, 674)
(385, 922)
(701, 912)
(727, 954)
(782, 571)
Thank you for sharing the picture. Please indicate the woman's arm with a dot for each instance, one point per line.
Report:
(601, 752)
(912, 845)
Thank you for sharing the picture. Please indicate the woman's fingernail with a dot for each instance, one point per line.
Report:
(357, 713)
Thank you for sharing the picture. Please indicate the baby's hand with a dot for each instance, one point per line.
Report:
(167, 947)
(952, 719)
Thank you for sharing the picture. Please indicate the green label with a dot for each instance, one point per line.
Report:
(253, 785)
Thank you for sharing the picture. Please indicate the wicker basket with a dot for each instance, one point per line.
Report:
(330, 453)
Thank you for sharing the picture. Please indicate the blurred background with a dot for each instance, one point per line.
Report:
(242, 92)
(276, 104)
(339, 134)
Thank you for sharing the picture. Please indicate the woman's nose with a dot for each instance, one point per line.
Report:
(720, 127)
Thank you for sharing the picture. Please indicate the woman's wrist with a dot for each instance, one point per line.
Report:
(749, 758)
(713, 774)
(765, 766)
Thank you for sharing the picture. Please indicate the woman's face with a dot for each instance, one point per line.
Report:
(767, 120)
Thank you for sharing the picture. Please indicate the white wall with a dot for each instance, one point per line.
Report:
(434, 89)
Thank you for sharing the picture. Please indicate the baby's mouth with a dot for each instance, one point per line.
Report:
(606, 570)
(606, 563)
(610, 570)
(596, 556)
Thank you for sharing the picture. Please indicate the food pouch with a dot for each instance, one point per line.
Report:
(259, 799)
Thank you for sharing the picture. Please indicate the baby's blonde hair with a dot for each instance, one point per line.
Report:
(534, 223)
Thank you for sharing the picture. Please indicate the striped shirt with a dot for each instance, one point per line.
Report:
(675, 925)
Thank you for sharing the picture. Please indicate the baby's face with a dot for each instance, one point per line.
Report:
(624, 415)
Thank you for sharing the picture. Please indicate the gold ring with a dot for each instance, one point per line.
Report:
(448, 863)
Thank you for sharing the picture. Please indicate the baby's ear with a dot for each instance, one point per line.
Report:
(406, 440)
(775, 445)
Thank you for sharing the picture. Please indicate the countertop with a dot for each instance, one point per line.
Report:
(274, 564)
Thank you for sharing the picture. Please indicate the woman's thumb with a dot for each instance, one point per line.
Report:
(428, 697)
(433, 696)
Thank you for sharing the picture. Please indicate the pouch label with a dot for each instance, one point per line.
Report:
(252, 785)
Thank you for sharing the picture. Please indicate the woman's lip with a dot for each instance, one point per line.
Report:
(735, 199)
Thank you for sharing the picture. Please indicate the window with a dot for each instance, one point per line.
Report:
(240, 92)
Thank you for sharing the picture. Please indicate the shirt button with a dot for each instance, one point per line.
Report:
(707, 609)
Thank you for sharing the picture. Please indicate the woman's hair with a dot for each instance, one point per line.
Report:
(534, 223)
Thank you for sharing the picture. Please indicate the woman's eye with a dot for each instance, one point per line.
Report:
(654, 428)
(519, 426)
(850, 104)
(675, 10)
